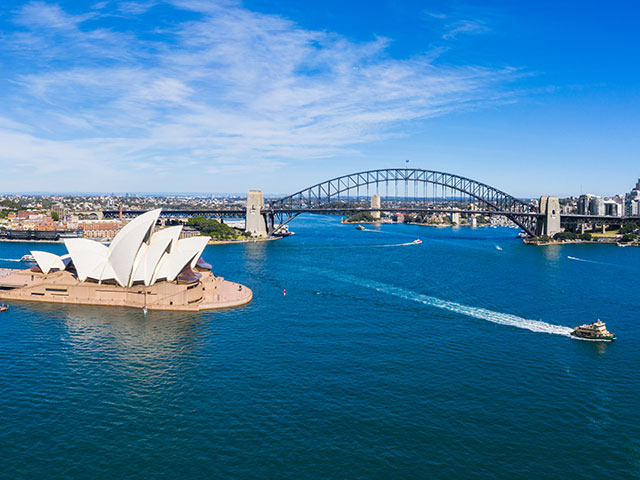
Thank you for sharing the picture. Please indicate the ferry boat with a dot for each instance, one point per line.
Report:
(3, 307)
(359, 227)
(28, 259)
(594, 331)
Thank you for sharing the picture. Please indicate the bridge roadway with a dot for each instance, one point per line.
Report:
(240, 213)
(417, 184)
(236, 213)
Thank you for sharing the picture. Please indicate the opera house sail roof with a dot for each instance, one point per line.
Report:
(136, 254)
(141, 268)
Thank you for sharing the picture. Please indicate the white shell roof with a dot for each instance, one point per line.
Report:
(135, 255)
(48, 261)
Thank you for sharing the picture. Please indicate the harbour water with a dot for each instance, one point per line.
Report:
(385, 359)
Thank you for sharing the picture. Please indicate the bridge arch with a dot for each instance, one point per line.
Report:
(495, 201)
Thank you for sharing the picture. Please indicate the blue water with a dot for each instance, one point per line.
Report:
(449, 359)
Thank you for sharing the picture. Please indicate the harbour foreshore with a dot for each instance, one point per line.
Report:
(208, 293)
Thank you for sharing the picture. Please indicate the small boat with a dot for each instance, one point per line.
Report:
(498, 248)
(594, 331)
(359, 227)
(416, 241)
(4, 308)
(28, 259)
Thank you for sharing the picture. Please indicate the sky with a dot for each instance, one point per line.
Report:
(532, 97)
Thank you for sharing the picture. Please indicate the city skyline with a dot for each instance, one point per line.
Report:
(227, 96)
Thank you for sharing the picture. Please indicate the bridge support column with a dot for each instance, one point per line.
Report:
(270, 223)
(582, 228)
(549, 224)
(375, 203)
(255, 222)
(604, 228)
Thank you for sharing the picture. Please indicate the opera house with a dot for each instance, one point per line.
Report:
(140, 268)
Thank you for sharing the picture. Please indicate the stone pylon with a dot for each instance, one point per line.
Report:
(255, 222)
(550, 223)
(375, 203)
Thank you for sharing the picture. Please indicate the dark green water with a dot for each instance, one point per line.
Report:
(449, 359)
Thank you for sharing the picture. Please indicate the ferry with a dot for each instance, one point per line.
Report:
(28, 259)
(3, 307)
(595, 331)
(359, 227)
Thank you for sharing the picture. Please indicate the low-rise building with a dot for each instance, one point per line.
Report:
(99, 229)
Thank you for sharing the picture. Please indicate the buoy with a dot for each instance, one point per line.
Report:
(284, 292)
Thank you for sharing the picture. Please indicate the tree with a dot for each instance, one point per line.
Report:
(55, 216)
(213, 228)
(562, 236)
(361, 217)
(628, 237)
(629, 228)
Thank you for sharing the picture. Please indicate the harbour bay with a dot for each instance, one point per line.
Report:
(445, 359)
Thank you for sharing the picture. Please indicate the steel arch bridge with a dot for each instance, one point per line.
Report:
(445, 187)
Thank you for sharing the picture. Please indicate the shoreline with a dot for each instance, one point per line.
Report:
(244, 240)
(63, 288)
(607, 241)
(211, 242)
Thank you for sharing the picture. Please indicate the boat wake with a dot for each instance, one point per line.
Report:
(398, 244)
(473, 312)
(592, 261)
(9, 259)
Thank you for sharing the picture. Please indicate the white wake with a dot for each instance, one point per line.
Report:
(594, 261)
(474, 312)
(9, 259)
(397, 244)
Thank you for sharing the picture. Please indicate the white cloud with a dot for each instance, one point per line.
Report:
(465, 27)
(227, 92)
(41, 15)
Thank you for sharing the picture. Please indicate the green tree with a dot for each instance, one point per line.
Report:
(629, 228)
(55, 216)
(361, 217)
(628, 237)
(213, 228)
(562, 236)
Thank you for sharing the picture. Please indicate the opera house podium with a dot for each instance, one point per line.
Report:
(140, 268)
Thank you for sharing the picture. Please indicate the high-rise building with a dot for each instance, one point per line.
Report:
(583, 204)
(596, 206)
(612, 208)
(632, 201)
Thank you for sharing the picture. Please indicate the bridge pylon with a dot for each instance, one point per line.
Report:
(375, 203)
(255, 222)
(549, 224)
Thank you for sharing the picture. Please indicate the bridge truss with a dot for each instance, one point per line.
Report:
(405, 189)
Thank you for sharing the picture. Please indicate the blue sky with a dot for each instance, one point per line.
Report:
(223, 96)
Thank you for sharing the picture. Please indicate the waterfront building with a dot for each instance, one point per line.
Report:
(584, 202)
(612, 208)
(139, 268)
(99, 229)
(596, 206)
(632, 201)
